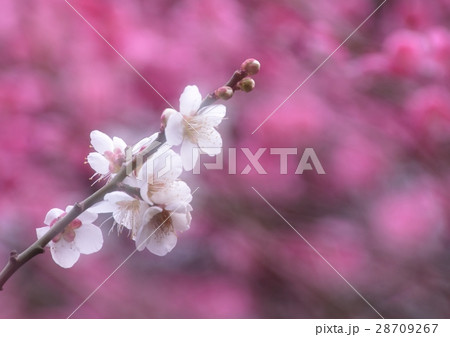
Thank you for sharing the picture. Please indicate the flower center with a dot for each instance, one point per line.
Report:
(154, 188)
(68, 234)
(116, 159)
(162, 222)
(191, 128)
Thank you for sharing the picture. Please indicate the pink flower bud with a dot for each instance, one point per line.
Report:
(224, 92)
(251, 66)
(247, 84)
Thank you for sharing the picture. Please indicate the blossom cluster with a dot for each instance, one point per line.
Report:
(152, 202)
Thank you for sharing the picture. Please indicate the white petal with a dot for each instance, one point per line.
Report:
(177, 193)
(161, 244)
(144, 194)
(118, 143)
(189, 154)
(181, 221)
(52, 215)
(163, 167)
(41, 231)
(87, 217)
(88, 239)
(98, 163)
(174, 129)
(190, 100)
(101, 142)
(180, 208)
(150, 213)
(133, 182)
(117, 196)
(64, 253)
(143, 143)
(213, 115)
(101, 207)
(210, 142)
(143, 237)
(146, 231)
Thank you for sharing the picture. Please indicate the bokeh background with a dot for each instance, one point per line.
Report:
(377, 115)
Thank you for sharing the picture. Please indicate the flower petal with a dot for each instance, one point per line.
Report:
(143, 237)
(134, 182)
(181, 221)
(41, 231)
(98, 163)
(119, 143)
(161, 243)
(64, 253)
(88, 239)
(190, 100)
(163, 167)
(144, 193)
(177, 194)
(143, 143)
(210, 142)
(117, 196)
(212, 115)
(101, 207)
(189, 154)
(87, 217)
(52, 215)
(174, 129)
(146, 231)
(101, 142)
(150, 213)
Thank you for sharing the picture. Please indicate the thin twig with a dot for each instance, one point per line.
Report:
(232, 83)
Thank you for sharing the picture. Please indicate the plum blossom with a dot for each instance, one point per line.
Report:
(159, 230)
(194, 128)
(170, 214)
(81, 236)
(126, 210)
(110, 154)
(158, 173)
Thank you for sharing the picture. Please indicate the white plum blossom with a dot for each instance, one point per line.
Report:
(194, 128)
(158, 232)
(110, 154)
(170, 214)
(126, 210)
(81, 236)
(158, 173)
(176, 195)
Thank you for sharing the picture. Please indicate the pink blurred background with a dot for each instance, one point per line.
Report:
(377, 115)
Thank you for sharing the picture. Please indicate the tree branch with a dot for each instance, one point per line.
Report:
(18, 260)
(232, 83)
(239, 81)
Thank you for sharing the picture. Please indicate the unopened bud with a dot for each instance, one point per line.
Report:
(251, 66)
(247, 84)
(224, 92)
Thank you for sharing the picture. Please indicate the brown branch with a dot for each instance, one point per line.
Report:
(232, 83)
(18, 260)
(248, 67)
